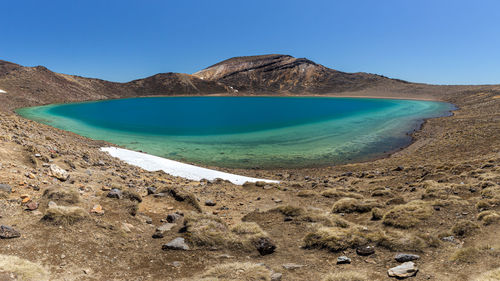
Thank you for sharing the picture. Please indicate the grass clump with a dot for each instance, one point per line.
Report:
(61, 195)
(345, 276)
(334, 239)
(312, 215)
(244, 271)
(465, 255)
(182, 196)
(488, 217)
(465, 228)
(492, 275)
(306, 193)
(23, 269)
(352, 205)
(408, 215)
(211, 231)
(334, 193)
(64, 215)
(291, 211)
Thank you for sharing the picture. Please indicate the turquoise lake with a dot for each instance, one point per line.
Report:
(247, 132)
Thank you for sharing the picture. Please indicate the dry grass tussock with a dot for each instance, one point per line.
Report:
(211, 231)
(408, 215)
(182, 196)
(23, 269)
(241, 271)
(312, 216)
(345, 276)
(465, 228)
(338, 239)
(61, 195)
(488, 217)
(492, 275)
(64, 215)
(353, 205)
(334, 193)
(465, 255)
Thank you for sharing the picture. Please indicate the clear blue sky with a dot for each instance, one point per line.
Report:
(431, 41)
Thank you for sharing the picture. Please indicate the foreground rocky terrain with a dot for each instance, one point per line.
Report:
(71, 212)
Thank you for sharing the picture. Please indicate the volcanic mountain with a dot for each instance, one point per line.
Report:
(266, 74)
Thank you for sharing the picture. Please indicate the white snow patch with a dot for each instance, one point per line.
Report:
(2, 91)
(154, 163)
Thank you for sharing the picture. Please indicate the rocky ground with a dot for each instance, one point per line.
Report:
(428, 212)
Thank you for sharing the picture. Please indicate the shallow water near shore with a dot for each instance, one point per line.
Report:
(247, 132)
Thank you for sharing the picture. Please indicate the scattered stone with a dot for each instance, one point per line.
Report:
(276, 276)
(265, 246)
(176, 244)
(31, 206)
(97, 209)
(162, 229)
(406, 257)
(365, 250)
(7, 232)
(127, 227)
(398, 168)
(173, 217)
(151, 190)
(5, 188)
(292, 266)
(210, 203)
(58, 172)
(343, 260)
(404, 270)
(115, 193)
(449, 239)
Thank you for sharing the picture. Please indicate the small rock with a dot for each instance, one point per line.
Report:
(176, 264)
(115, 193)
(288, 218)
(343, 260)
(292, 266)
(151, 190)
(5, 188)
(58, 172)
(449, 239)
(404, 270)
(173, 217)
(277, 200)
(365, 250)
(160, 195)
(406, 257)
(162, 229)
(31, 206)
(97, 209)
(7, 232)
(127, 227)
(398, 168)
(276, 276)
(176, 244)
(210, 203)
(265, 246)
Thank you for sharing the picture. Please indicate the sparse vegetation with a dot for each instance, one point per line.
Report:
(236, 271)
(488, 217)
(465, 228)
(23, 269)
(465, 255)
(351, 205)
(345, 276)
(64, 215)
(335, 193)
(408, 215)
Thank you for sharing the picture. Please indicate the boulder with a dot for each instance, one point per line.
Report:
(176, 244)
(404, 270)
(58, 172)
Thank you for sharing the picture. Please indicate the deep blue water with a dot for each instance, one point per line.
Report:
(246, 132)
